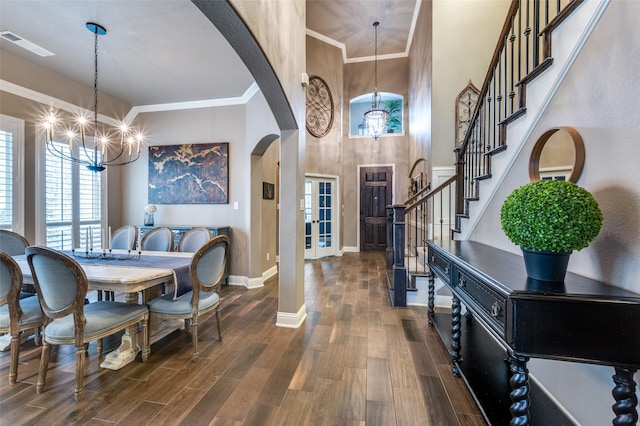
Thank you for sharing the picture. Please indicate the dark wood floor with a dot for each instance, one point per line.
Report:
(355, 361)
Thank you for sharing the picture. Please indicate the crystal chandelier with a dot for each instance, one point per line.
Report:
(376, 118)
(104, 151)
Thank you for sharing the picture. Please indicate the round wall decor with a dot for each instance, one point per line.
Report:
(319, 116)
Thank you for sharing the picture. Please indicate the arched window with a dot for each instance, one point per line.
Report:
(391, 102)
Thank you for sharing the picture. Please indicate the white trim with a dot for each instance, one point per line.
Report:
(56, 103)
(254, 282)
(270, 273)
(289, 320)
(343, 48)
(335, 211)
(26, 93)
(207, 103)
(16, 126)
(350, 249)
(393, 194)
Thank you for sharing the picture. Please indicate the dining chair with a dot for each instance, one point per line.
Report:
(124, 238)
(193, 239)
(12, 243)
(62, 285)
(16, 314)
(158, 239)
(206, 272)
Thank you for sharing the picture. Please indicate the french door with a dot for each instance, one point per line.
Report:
(319, 217)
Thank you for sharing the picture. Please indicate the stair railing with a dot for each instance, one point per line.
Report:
(523, 51)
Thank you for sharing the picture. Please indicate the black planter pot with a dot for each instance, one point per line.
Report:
(546, 265)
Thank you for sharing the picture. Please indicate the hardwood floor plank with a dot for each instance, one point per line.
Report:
(438, 405)
(295, 409)
(180, 406)
(379, 387)
(380, 414)
(244, 395)
(211, 402)
(143, 414)
(352, 394)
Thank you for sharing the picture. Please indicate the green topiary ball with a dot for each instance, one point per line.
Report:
(551, 215)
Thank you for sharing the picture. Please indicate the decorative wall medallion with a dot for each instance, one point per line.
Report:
(465, 105)
(319, 107)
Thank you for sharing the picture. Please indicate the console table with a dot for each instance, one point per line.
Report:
(582, 320)
(179, 230)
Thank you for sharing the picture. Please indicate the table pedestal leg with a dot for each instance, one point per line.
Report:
(128, 348)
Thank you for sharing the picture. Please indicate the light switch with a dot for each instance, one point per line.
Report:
(235, 205)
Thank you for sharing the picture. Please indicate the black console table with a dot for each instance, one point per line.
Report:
(582, 320)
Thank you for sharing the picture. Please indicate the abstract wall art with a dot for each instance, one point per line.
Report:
(189, 174)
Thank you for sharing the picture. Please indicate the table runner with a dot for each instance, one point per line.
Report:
(179, 265)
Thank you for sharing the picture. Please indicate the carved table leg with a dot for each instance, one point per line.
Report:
(128, 349)
(519, 395)
(431, 302)
(625, 395)
(455, 335)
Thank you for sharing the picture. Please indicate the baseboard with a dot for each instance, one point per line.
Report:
(289, 320)
(350, 249)
(270, 272)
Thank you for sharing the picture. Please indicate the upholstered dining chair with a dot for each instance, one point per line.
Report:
(16, 314)
(158, 239)
(12, 243)
(124, 238)
(193, 239)
(62, 285)
(206, 272)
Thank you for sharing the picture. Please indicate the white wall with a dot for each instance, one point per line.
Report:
(598, 98)
(462, 51)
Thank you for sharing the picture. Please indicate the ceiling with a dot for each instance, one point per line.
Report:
(165, 51)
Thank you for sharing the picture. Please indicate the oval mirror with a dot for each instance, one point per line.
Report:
(558, 154)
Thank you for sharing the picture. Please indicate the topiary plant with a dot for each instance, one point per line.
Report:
(551, 215)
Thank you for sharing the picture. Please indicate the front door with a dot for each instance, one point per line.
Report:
(319, 217)
(375, 196)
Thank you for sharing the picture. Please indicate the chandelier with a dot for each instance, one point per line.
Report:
(107, 149)
(376, 118)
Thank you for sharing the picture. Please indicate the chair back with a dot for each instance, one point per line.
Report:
(12, 243)
(193, 239)
(208, 263)
(158, 239)
(10, 285)
(60, 282)
(124, 238)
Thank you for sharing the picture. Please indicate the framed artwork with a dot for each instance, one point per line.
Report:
(268, 190)
(189, 174)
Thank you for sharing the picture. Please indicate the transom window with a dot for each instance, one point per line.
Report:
(391, 102)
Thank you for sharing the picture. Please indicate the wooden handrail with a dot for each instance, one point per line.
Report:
(430, 194)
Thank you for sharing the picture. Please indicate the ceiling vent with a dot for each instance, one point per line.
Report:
(25, 44)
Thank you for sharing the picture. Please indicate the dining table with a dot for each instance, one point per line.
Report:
(140, 276)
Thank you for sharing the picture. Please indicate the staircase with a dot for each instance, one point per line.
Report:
(522, 78)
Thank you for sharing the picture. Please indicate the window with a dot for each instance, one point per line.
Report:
(73, 203)
(11, 174)
(391, 102)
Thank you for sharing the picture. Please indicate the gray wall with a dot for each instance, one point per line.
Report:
(598, 99)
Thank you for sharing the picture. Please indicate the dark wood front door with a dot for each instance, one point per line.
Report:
(375, 196)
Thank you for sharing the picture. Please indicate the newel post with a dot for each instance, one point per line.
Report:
(389, 251)
(399, 292)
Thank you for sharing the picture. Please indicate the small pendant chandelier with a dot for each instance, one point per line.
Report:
(104, 152)
(376, 118)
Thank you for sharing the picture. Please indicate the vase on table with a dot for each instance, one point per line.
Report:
(148, 219)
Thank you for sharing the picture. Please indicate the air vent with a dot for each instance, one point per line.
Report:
(25, 44)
